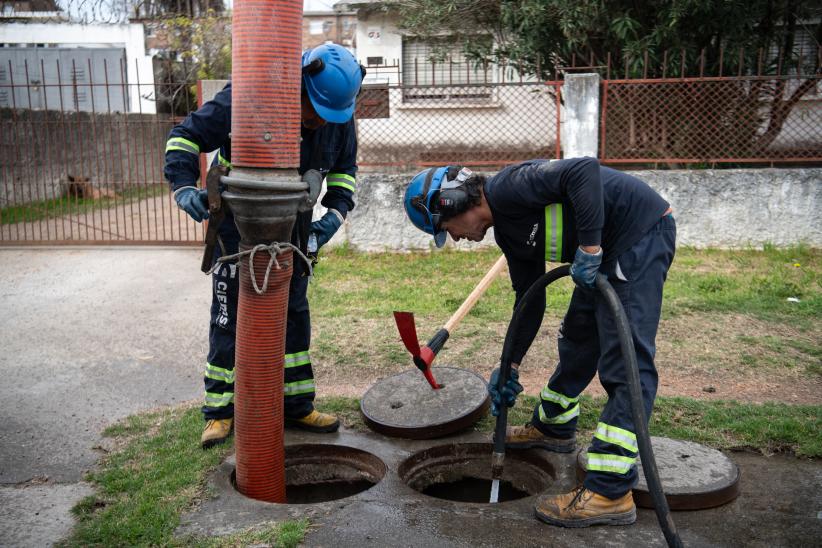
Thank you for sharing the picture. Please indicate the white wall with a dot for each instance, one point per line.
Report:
(131, 37)
(378, 36)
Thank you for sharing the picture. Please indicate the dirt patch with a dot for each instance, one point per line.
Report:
(704, 356)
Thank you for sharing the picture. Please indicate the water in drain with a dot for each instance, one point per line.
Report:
(472, 490)
(310, 493)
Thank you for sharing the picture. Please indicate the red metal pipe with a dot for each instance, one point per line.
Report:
(265, 136)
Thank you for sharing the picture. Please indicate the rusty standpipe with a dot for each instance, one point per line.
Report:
(264, 193)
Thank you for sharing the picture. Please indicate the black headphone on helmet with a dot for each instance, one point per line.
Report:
(318, 65)
(452, 191)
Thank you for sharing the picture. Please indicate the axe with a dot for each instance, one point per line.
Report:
(423, 357)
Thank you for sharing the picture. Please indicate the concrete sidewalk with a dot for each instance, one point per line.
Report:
(89, 336)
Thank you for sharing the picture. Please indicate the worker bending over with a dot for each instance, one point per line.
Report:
(331, 80)
(600, 220)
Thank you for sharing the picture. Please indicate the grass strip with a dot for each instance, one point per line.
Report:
(751, 281)
(767, 428)
(157, 471)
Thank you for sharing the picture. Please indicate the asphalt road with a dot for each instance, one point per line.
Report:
(88, 336)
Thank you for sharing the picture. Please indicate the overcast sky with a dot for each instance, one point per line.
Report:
(318, 5)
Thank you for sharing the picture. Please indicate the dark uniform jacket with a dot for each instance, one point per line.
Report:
(331, 149)
(544, 210)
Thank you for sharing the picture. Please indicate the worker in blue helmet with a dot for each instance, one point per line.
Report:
(331, 79)
(599, 220)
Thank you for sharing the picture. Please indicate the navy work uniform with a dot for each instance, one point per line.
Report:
(542, 212)
(330, 149)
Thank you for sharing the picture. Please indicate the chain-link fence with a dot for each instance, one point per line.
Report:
(712, 120)
(82, 134)
(477, 125)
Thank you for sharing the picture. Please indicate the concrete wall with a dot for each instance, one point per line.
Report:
(130, 37)
(713, 208)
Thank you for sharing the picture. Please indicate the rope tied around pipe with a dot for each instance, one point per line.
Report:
(274, 249)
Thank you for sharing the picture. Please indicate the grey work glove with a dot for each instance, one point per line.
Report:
(585, 267)
(192, 201)
(325, 228)
(509, 392)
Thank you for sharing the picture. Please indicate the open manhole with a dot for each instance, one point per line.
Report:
(462, 472)
(320, 473)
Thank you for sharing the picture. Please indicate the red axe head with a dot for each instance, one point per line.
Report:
(422, 357)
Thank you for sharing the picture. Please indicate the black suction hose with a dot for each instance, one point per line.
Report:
(626, 342)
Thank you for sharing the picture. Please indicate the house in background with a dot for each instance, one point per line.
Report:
(41, 48)
(338, 25)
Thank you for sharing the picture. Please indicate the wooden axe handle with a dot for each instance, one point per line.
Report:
(472, 299)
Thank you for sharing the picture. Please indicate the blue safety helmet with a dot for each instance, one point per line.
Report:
(332, 78)
(430, 191)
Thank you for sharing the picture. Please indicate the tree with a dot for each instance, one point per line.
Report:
(551, 32)
(648, 39)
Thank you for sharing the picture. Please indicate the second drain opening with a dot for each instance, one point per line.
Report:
(462, 473)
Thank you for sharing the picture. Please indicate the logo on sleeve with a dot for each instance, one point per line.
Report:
(533, 235)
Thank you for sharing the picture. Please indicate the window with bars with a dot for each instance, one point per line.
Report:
(439, 71)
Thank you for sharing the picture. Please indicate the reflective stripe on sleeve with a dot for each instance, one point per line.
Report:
(617, 436)
(178, 143)
(553, 233)
(219, 373)
(604, 462)
(222, 161)
(555, 397)
(561, 418)
(341, 180)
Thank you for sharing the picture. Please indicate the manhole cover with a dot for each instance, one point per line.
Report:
(405, 405)
(693, 476)
(461, 472)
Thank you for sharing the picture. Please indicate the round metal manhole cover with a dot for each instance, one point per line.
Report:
(693, 476)
(405, 405)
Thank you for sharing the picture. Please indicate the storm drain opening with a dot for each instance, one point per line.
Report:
(462, 472)
(321, 473)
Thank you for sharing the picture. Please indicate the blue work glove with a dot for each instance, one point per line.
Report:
(193, 201)
(585, 267)
(509, 391)
(326, 227)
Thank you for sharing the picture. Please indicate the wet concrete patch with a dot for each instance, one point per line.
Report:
(462, 472)
(773, 509)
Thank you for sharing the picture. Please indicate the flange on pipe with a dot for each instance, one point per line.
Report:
(265, 202)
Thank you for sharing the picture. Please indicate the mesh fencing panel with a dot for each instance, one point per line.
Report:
(739, 119)
(475, 125)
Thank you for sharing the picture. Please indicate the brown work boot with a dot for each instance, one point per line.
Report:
(320, 423)
(216, 432)
(528, 437)
(582, 508)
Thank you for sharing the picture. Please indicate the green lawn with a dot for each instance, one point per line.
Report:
(159, 470)
(753, 281)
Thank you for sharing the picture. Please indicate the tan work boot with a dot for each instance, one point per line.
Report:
(320, 423)
(528, 437)
(216, 432)
(581, 508)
